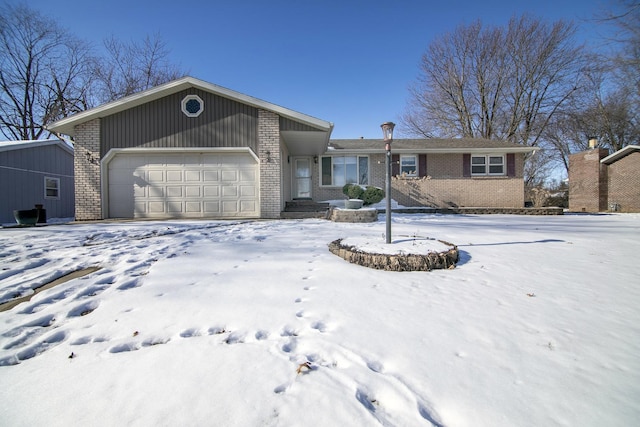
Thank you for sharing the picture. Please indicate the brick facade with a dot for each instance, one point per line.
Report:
(87, 171)
(588, 181)
(270, 164)
(624, 183)
(443, 186)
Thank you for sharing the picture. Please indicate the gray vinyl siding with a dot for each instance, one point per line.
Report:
(161, 124)
(22, 173)
(288, 125)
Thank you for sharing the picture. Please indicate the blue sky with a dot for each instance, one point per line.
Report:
(349, 62)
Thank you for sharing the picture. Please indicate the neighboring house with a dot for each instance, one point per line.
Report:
(429, 172)
(191, 149)
(601, 182)
(36, 173)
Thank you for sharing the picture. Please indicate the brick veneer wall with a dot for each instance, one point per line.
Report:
(464, 192)
(445, 187)
(624, 183)
(86, 165)
(588, 181)
(270, 164)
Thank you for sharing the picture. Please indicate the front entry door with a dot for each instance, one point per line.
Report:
(302, 178)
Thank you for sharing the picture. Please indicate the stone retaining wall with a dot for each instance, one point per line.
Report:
(406, 262)
(353, 215)
(481, 211)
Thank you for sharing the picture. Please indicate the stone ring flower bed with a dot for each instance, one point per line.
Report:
(415, 254)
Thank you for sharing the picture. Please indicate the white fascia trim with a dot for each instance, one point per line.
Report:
(487, 150)
(611, 158)
(67, 125)
(104, 163)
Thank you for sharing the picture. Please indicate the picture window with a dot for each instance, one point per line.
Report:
(340, 170)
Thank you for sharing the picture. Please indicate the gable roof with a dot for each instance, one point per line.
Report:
(66, 126)
(429, 145)
(19, 145)
(612, 158)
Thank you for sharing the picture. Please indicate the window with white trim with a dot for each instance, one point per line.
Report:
(409, 165)
(337, 171)
(487, 165)
(51, 188)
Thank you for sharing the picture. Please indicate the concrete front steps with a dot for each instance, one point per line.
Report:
(299, 209)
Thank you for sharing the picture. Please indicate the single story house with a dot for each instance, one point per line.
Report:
(599, 181)
(192, 149)
(429, 172)
(36, 173)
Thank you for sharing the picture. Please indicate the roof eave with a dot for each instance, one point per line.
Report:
(612, 158)
(480, 150)
(67, 125)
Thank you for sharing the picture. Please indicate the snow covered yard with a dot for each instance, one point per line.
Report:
(251, 323)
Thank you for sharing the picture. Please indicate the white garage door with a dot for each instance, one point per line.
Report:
(172, 185)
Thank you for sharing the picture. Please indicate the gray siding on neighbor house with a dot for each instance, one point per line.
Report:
(22, 173)
(162, 124)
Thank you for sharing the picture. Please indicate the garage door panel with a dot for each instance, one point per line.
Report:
(174, 176)
(183, 185)
(211, 191)
(211, 176)
(192, 175)
(230, 207)
(229, 176)
(174, 191)
(248, 206)
(193, 207)
(174, 207)
(192, 191)
(155, 176)
(230, 191)
(155, 208)
(247, 175)
(211, 207)
(248, 191)
(155, 191)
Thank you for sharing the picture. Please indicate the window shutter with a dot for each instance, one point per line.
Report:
(466, 165)
(422, 165)
(511, 165)
(395, 164)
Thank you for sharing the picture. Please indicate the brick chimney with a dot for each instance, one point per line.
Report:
(588, 180)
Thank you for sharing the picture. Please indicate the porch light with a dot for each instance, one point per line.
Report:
(387, 134)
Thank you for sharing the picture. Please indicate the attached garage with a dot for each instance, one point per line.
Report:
(182, 184)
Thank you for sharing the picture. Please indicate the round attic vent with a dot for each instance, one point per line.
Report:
(192, 105)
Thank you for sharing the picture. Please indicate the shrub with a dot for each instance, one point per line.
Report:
(353, 191)
(372, 195)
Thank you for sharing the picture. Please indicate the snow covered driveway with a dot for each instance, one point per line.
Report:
(256, 323)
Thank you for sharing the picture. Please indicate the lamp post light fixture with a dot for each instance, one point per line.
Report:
(387, 133)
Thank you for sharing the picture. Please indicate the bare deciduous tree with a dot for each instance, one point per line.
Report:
(133, 67)
(495, 82)
(44, 72)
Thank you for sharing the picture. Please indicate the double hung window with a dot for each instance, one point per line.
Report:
(51, 188)
(408, 165)
(487, 165)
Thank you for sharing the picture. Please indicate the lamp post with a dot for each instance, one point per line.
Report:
(387, 132)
